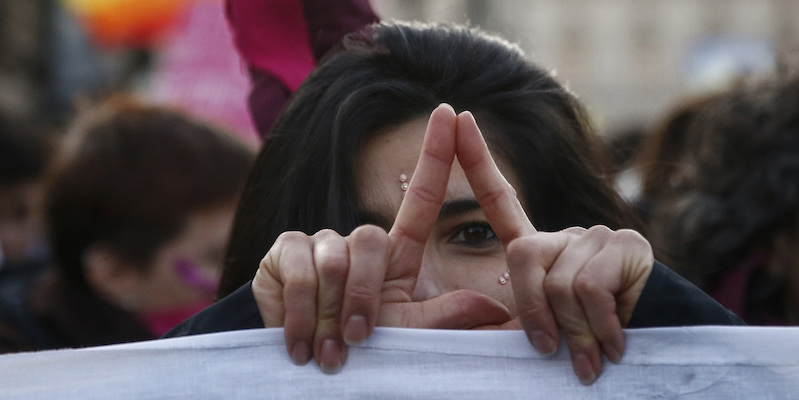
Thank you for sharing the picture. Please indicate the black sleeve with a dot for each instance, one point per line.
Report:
(670, 300)
(236, 311)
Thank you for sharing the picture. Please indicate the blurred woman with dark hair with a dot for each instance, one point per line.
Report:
(731, 224)
(661, 156)
(25, 151)
(138, 205)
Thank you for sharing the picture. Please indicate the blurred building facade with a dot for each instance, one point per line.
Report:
(22, 61)
(629, 59)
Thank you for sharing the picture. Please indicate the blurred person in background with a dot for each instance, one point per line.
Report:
(727, 212)
(622, 149)
(138, 205)
(24, 152)
(661, 156)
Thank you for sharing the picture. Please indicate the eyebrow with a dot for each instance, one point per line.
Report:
(457, 207)
(448, 209)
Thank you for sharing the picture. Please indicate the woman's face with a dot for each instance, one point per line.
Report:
(462, 251)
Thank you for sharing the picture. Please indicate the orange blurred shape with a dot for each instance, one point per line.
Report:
(126, 23)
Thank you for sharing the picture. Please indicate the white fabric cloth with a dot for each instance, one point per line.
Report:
(687, 363)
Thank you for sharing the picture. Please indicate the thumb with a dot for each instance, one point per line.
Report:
(461, 309)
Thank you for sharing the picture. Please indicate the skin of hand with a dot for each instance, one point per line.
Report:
(328, 291)
(584, 281)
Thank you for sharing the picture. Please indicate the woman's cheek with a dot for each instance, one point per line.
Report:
(486, 273)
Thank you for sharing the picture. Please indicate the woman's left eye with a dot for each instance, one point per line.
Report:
(474, 235)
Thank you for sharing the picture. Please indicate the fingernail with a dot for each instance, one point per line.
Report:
(300, 353)
(330, 358)
(583, 369)
(355, 330)
(447, 105)
(543, 343)
(612, 353)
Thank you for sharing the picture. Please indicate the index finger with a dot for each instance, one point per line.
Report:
(419, 210)
(495, 194)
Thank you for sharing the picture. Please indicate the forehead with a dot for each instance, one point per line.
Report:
(394, 152)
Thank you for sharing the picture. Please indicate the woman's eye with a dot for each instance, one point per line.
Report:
(475, 235)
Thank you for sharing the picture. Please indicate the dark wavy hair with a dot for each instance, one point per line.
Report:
(660, 157)
(740, 180)
(391, 73)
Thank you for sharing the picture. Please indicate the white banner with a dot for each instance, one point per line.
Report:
(687, 363)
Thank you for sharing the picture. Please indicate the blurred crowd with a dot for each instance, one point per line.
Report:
(716, 186)
(115, 209)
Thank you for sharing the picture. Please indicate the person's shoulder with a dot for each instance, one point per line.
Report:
(236, 311)
(20, 327)
(17, 281)
(670, 300)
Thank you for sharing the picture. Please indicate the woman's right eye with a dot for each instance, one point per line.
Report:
(474, 235)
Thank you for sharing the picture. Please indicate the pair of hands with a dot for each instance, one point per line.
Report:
(329, 291)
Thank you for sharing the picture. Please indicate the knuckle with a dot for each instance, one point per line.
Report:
(463, 300)
(266, 260)
(327, 321)
(629, 237)
(301, 281)
(425, 195)
(497, 196)
(527, 245)
(579, 338)
(599, 232)
(557, 287)
(587, 287)
(575, 230)
(440, 156)
(331, 257)
(333, 265)
(465, 304)
(521, 248)
(360, 294)
(368, 236)
(326, 234)
(286, 245)
(300, 330)
(290, 237)
(532, 311)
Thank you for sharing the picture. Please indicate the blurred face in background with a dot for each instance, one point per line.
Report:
(181, 278)
(20, 231)
(186, 270)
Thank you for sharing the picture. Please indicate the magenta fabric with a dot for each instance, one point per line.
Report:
(200, 71)
(271, 35)
(328, 21)
(281, 40)
(732, 290)
(161, 322)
